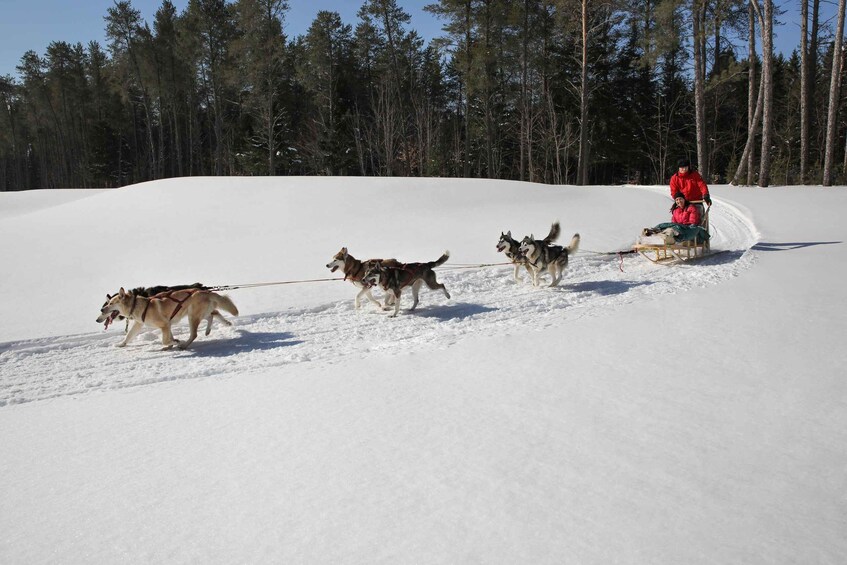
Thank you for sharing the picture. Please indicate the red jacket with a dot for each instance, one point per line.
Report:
(690, 184)
(690, 215)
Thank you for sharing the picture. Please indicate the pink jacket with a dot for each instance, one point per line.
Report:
(690, 184)
(689, 215)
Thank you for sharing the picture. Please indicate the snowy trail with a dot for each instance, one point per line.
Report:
(486, 301)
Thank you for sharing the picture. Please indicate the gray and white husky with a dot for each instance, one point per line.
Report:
(394, 278)
(541, 257)
(511, 248)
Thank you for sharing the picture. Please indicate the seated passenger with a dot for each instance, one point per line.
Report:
(683, 212)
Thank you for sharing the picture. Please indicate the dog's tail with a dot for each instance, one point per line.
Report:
(555, 230)
(441, 260)
(224, 303)
(574, 246)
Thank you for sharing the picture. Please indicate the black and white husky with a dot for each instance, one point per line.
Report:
(541, 257)
(511, 248)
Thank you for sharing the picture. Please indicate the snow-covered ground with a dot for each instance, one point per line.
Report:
(635, 414)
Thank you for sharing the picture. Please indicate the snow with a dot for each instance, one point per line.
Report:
(635, 414)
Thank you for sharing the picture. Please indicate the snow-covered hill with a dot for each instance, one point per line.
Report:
(636, 413)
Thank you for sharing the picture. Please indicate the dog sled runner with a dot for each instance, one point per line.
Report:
(669, 243)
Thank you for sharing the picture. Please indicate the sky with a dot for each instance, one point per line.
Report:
(636, 413)
(35, 23)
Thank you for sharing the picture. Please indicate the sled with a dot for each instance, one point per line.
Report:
(664, 252)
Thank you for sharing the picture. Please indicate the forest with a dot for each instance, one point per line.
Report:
(551, 91)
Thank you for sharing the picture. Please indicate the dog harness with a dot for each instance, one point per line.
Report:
(164, 296)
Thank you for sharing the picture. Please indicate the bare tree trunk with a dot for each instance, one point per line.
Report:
(805, 102)
(767, 80)
(834, 91)
(746, 160)
(751, 96)
(582, 167)
(466, 168)
(698, 10)
(524, 135)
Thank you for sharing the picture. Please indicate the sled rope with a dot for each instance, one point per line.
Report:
(452, 267)
(455, 266)
(221, 288)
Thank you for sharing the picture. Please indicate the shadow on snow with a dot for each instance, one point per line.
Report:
(458, 311)
(246, 342)
(605, 288)
(765, 246)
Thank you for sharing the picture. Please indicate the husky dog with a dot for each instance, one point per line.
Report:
(552, 258)
(511, 248)
(394, 278)
(355, 270)
(149, 291)
(162, 310)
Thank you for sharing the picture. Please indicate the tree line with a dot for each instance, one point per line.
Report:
(553, 91)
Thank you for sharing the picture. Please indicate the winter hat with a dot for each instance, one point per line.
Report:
(684, 162)
(679, 195)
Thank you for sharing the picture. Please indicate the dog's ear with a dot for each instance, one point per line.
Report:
(344, 251)
(532, 236)
(122, 292)
(509, 233)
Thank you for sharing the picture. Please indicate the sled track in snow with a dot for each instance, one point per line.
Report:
(485, 302)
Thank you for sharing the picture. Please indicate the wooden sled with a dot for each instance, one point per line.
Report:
(679, 251)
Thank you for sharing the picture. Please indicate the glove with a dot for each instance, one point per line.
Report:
(707, 199)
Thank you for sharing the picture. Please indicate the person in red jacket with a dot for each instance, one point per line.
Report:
(689, 183)
(684, 212)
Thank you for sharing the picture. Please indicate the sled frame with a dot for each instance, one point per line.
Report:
(680, 251)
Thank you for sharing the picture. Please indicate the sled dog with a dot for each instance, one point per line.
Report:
(394, 278)
(354, 270)
(551, 258)
(511, 248)
(162, 310)
(149, 291)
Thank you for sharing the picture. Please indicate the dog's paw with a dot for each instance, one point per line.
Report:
(121, 344)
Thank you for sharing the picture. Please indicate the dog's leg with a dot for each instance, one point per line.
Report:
(416, 288)
(389, 300)
(555, 274)
(517, 268)
(210, 318)
(396, 295)
(193, 324)
(133, 331)
(168, 337)
(433, 284)
(370, 296)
